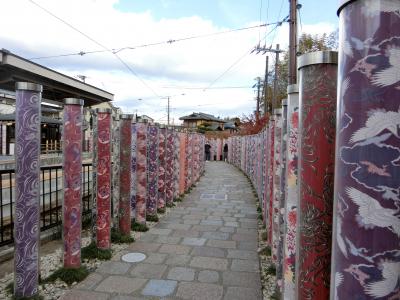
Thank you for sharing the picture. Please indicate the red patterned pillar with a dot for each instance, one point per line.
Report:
(125, 166)
(72, 165)
(366, 238)
(182, 162)
(318, 77)
(103, 190)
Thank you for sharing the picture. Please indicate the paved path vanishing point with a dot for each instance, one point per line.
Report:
(204, 249)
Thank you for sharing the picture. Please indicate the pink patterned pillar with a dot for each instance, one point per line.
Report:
(182, 162)
(271, 143)
(162, 138)
(103, 190)
(141, 172)
(72, 165)
(169, 168)
(125, 170)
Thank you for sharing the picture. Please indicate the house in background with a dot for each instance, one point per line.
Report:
(201, 120)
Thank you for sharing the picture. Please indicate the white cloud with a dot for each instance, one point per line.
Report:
(30, 32)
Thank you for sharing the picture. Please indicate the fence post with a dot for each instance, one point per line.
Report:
(366, 237)
(318, 77)
(72, 166)
(27, 189)
(125, 170)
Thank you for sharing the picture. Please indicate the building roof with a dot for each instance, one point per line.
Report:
(201, 116)
(56, 86)
(43, 119)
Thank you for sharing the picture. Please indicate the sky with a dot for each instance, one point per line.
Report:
(212, 74)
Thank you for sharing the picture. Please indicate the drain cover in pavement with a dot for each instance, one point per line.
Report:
(133, 257)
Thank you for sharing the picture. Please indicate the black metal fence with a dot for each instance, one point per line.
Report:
(51, 197)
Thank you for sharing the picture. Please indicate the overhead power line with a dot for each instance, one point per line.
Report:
(106, 49)
(171, 41)
(244, 55)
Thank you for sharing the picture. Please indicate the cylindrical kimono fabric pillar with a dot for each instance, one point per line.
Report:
(152, 170)
(125, 170)
(270, 177)
(176, 164)
(317, 111)
(169, 167)
(182, 162)
(141, 172)
(133, 170)
(277, 185)
(162, 137)
(366, 238)
(265, 184)
(188, 162)
(72, 166)
(115, 168)
(282, 200)
(291, 190)
(27, 189)
(103, 182)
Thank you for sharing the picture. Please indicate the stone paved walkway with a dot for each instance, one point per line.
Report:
(204, 249)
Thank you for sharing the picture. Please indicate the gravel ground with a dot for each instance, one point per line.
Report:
(267, 280)
(53, 261)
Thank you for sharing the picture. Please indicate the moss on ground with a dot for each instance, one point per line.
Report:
(119, 238)
(67, 275)
(139, 227)
(161, 210)
(92, 252)
(152, 218)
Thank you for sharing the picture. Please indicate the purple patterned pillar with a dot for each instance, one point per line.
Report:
(162, 138)
(125, 170)
(141, 172)
(366, 237)
(317, 84)
(152, 170)
(27, 189)
(72, 166)
(291, 197)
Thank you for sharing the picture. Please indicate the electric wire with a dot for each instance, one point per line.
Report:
(171, 41)
(106, 49)
(243, 56)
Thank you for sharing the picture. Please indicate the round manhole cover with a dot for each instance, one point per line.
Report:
(133, 257)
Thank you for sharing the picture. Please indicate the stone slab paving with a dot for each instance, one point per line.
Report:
(206, 248)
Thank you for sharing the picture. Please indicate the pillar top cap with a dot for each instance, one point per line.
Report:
(292, 88)
(103, 110)
(277, 111)
(318, 57)
(342, 4)
(29, 86)
(284, 102)
(73, 101)
(125, 117)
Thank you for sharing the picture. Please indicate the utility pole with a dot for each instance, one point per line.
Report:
(264, 50)
(275, 96)
(168, 111)
(258, 99)
(293, 42)
(266, 86)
